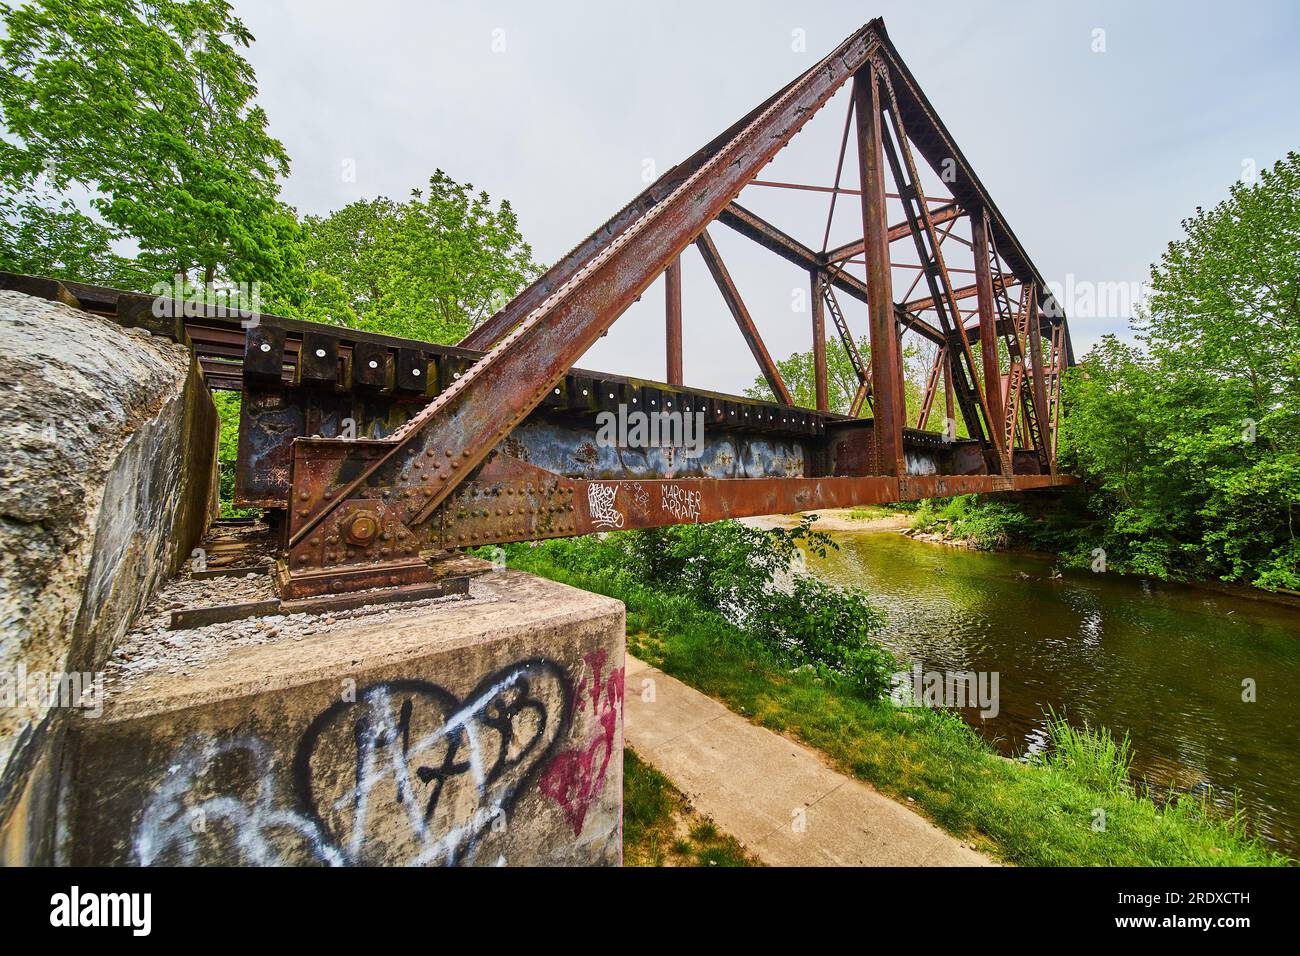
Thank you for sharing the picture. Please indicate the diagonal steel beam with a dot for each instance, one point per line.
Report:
(899, 153)
(498, 392)
(901, 230)
(989, 355)
(932, 386)
(846, 334)
(965, 292)
(731, 295)
(940, 150)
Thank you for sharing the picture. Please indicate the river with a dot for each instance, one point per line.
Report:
(1164, 663)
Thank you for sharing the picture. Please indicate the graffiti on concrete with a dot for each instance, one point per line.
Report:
(201, 807)
(404, 773)
(427, 769)
(575, 778)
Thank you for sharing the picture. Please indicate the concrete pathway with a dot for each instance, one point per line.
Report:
(779, 798)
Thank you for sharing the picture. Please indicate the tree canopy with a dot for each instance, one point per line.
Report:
(428, 268)
(1192, 436)
(148, 108)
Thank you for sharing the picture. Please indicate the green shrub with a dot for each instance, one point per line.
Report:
(744, 576)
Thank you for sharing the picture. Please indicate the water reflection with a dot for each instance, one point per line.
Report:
(1164, 663)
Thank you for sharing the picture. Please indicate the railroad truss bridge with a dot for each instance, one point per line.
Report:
(495, 439)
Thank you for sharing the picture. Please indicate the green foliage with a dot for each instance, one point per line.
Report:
(148, 107)
(47, 236)
(227, 450)
(798, 373)
(742, 576)
(1192, 439)
(1090, 755)
(989, 524)
(428, 269)
(824, 628)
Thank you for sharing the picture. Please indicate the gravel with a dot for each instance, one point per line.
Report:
(152, 646)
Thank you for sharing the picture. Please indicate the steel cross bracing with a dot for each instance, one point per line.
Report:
(496, 439)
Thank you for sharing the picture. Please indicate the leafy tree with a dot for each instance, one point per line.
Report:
(52, 237)
(147, 105)
(429, 268)
(1192, 438)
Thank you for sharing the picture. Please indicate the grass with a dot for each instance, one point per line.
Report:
(869, 513)
(1073, 807)
(661, 829)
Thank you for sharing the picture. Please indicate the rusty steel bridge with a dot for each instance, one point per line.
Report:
(494, 440)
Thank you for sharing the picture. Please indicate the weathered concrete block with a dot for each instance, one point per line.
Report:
(483, 731)
(108, 481)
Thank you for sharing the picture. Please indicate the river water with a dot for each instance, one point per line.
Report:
(1164, 663)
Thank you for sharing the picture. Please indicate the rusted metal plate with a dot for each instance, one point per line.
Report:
(222, 614)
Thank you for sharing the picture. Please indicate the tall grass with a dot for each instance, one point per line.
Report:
(1091, 755)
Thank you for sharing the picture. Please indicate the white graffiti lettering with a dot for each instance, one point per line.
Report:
(682, 503)
(600, 500)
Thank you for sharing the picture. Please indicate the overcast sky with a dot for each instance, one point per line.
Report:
(1094, 156)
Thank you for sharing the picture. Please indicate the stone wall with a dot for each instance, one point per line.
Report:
(107, 483)
(486, 731)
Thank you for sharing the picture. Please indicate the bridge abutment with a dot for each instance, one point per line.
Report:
(485, 730)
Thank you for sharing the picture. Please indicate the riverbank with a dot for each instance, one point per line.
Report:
(1057, 527)
(1071, 810)
(840, 519)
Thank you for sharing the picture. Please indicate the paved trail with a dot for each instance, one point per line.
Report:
(778, 797)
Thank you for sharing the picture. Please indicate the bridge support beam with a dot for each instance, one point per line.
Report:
(885, 359)
(979, 225)
(673, 319)
(819, 340)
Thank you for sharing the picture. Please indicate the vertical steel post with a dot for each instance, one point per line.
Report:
(1040, 385)
(979, 224)
(673, 319)
(886, 371)
(949, 422)
(819, 340)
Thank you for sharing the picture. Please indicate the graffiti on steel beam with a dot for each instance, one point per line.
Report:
(682, 503)
(600, 501)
